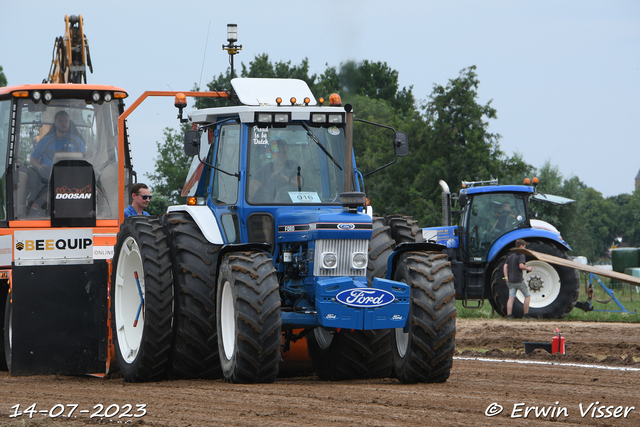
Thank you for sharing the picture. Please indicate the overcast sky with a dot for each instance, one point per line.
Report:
(564, 76)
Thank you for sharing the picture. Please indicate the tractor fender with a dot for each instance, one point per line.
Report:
(525, 234)
(204, 218)
(405, 247)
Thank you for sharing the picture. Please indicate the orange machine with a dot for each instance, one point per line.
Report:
(61, 197)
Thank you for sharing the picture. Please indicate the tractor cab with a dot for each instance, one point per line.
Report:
(489, 216)
(56, 127)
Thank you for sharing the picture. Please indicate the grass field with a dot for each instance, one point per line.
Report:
(621, 294)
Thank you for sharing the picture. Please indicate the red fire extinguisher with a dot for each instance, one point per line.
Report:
(557, 343)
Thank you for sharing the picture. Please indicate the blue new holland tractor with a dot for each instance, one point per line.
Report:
(492, 218)
(276, 244)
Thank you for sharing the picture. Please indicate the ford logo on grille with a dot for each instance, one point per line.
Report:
(346, 226)
(365, 297)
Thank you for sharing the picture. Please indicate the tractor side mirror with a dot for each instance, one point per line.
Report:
(191, 143)
(400, 144)
(462, 200)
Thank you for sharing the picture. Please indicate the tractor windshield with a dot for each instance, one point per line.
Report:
(64, 125)
(490, 216)
(293, 164)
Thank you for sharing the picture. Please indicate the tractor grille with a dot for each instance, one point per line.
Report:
(343, 249)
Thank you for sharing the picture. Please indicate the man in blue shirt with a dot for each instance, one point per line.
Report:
(59, 140)
(141, 197)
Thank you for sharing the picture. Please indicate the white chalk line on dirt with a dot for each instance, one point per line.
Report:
(535, 362)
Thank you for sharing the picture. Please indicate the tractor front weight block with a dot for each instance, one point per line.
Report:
(346, 303)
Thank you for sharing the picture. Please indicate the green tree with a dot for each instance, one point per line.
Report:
(627, 217)
(375, 80)
(3, 78)
(171, 168)
(453, 143)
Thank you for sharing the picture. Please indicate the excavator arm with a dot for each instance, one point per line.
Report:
(70, 54)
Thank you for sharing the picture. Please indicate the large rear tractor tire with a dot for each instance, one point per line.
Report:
(195, 350)
(142, 300)
(248, 318)
(425, 352)
(554, 289)
(381, 246)
(350, 354)
(404, 229)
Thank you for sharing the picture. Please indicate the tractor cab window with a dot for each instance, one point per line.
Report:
(65, 126)
(491, 216)
(225, 186)
(290, 165)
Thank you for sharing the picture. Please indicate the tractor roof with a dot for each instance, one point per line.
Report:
(259, 95)
(498, 189)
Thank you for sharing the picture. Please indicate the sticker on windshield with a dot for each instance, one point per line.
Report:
(259, 136)
(333, 131)
(304, 197)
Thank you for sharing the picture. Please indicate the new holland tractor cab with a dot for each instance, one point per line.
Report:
(492, 218)
(275, 244)
(60, 203)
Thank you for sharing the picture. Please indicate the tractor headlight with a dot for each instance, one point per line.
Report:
(359, 261)
(265, 118)
(318, 118)
(335, 118)
(281, 118)
(329, 260)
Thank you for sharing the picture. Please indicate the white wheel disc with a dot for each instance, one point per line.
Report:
(228, 320)
(323, 337)
(543, 282)
(402, 341)
(127, 300)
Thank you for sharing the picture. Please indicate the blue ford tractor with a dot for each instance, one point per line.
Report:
(276, 244)
(492, 218)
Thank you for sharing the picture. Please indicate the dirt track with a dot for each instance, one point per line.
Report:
(475, 384)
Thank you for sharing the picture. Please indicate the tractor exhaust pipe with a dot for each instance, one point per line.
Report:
(446, 204)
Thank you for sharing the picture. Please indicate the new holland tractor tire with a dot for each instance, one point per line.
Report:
(248, 318)
(554, 289)
(142, 300)
(404, 229)
(195, 349)
(357, 354)
(425, 352)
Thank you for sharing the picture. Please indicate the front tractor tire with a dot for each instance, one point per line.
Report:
(425, 352)
(554, 289)
(142, 300)
(248, 318)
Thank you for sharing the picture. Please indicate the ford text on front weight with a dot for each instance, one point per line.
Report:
(365, 297)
